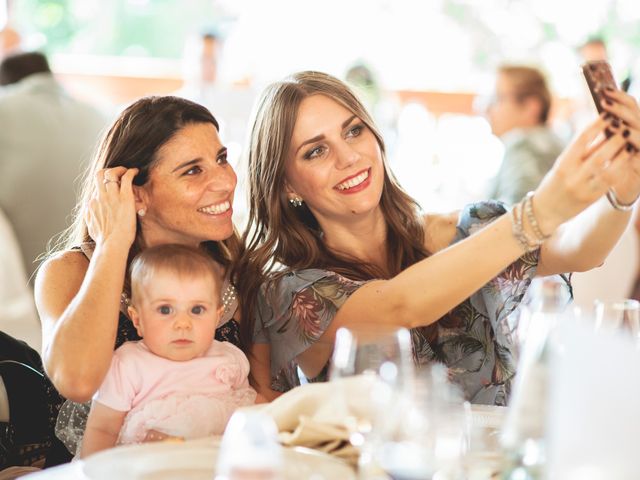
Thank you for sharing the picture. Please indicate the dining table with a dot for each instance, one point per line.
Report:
(197, 459)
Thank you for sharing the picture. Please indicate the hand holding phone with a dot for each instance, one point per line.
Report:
(599, 78)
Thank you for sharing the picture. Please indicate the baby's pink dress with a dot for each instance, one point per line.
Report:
(189, 399)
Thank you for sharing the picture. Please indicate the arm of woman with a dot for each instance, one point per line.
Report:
(260, 361)
(585, 241)
(103, 428)
(424, 292)
(78, 302)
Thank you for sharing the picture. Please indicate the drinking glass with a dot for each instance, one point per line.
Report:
(618, 315)
(370, 365)
(424, 435)
(249, 449)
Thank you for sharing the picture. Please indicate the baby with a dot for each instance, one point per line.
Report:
(177, 381)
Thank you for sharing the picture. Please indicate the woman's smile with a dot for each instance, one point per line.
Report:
(355, 183)
(218, 209)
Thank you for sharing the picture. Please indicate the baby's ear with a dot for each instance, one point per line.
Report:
(220, 312)
(135, 319)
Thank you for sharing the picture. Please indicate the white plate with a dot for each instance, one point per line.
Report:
(196, 461)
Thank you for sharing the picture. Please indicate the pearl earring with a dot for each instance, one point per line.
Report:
(142, 212)
(295, 201)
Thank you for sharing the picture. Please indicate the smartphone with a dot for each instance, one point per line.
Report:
(599, 77)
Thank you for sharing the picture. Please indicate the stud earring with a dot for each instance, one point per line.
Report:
(142, 212)
(295, 201)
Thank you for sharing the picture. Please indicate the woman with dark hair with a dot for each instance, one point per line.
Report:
(160, 176)
(332, 239)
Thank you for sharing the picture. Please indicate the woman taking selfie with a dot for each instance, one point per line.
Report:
(332, 240)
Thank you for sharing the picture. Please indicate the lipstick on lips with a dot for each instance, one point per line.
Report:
(355, 183)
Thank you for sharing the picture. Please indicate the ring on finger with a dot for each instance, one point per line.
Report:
(109, 180)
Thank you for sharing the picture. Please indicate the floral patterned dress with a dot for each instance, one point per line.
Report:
(473, 340)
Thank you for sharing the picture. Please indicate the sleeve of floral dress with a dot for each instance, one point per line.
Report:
(504, 294)
(293, 313)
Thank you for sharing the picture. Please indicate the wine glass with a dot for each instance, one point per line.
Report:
(426, 435)
(618, 315)
(250, 435)
(370, 365)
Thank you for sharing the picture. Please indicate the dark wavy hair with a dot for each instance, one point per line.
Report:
(133, 141)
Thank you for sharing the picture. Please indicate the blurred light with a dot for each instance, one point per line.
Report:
(4, 17)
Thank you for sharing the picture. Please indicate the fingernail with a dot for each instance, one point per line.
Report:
(615, 123)
(610, 88)
(607, 132)
(607, 116)
(630, 148)
(608, 102)
(626, 133)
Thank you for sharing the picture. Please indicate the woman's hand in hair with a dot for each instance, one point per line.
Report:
(111, 216)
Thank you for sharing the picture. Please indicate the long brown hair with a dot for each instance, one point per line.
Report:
(133, 141)
(279, 235)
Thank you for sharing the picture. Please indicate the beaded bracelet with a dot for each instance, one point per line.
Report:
(517, 229)
(527, 242)
(617, 204)
(528, 209)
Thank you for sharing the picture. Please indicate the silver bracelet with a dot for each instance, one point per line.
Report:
(617, 204)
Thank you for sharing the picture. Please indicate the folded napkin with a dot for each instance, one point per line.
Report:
(323, 415)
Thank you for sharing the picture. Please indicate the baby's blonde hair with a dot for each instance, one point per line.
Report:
(184, 261)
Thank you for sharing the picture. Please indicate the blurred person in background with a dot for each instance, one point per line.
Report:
(9, 40)
(232, 102)
(595, 50)
(203, 84)
(45, 138)
(518, 115)
(18, 316)
(383, 104)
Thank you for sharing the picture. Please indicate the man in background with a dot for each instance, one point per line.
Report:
(230, 102)
(594, 50)
(518, 115)
(45, 140)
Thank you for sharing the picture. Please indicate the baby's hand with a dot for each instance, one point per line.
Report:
(156, 436)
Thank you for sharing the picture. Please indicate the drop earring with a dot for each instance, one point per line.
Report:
(295, 201)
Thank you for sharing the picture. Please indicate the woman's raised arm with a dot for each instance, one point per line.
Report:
(78, 301)
(424, 292)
